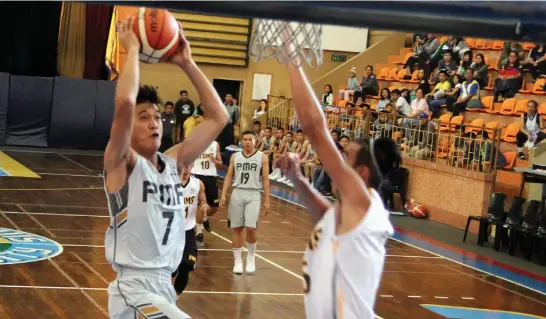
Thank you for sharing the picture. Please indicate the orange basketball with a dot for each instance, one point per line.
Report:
(420, 212)
(410, 207)
(158, 32)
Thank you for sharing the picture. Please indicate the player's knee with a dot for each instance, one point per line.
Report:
(238, 230)
(250, 234)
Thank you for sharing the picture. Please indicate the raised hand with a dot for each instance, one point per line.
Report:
(289, 163)
(182, 56)
(127, 36)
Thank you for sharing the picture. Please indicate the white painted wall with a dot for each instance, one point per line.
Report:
(341, 38)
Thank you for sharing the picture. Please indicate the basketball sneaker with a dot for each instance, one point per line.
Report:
(200, 240)
(250, 265)
(206, 225)
(238, 268)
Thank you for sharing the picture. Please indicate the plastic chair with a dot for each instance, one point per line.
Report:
(490, 127)
(521, 107)
(510, 159)
(383, 73)
(494, 214)
(511, 132)
(455, 122)
(513, 217)
(444, 122)
(538, 87)
(508, 107)
(521, 232)
(497, 45)
(392, 74)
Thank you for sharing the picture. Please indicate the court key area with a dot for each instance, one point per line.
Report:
(53, 217)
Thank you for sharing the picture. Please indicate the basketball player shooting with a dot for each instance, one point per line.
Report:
(146, 237)
(344, 261)
(251, 170)
(193, 191)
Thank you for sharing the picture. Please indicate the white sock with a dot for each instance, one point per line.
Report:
(520, 149)
(237, 254)
(251, 250)
(199, 228)
(206, 218)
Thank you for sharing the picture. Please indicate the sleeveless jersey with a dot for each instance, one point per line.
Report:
(267, 143)
(291, 147)
(191, 194)
(147, 218)
(342, 273)
(203, 164)
(248, 171)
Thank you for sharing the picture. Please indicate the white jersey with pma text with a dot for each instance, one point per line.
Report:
(147, 227)
(342, 273)
(191, 194)
(203, 164)
(248, 170)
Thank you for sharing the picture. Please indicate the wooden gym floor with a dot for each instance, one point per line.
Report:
(67, 205)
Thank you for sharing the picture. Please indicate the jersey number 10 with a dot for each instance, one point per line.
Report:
(205, 165)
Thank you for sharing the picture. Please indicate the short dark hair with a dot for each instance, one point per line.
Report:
(448, 51)
(534, 102)
(169, 103)
(183, 91)
(147, 94)
(289, 132)
(248, 132)
(369, 66)
(380, 158)
(257, 123)
(280, 129)
(268, 128)
(344, 136)
(300, 131)
(443, 71)
(396, 91)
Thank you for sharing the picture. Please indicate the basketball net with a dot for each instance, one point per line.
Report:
(288, 42)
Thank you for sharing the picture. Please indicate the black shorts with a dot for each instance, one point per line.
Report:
(211, 189)
(189, 257)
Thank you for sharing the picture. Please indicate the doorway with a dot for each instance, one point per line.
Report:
(232, 87)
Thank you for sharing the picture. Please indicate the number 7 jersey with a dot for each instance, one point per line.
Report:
(247, 170)
(147, 227)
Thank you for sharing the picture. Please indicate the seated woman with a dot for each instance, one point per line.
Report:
(261, 110)
(531, 128)
(328, 97)
(465, 63)
(536, 61)
(510, 80)
(385, 99)
(352, 86)
(470, 95)
(368, 86)
(480, 70)
(453, 95)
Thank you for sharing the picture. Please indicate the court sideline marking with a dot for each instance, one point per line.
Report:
(75, 162)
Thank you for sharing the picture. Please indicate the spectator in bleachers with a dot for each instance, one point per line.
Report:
(352, 86)
(385, 98)
(483, 153)
(347, 118)
(465, 63)
(509, 82)
(453, 95)
(429, 48)
(261, 110)
(531, 128)
(480, 70)
(405, 93)
(460, 48)
(267, 142)
(300, 142)
(309, 162)
(448, 64)
(257, 129)
(423, 82)
(436, 58)
(437, 98)
(383, 125)
(419, 55)
(368, 86)
(470, 95)
(327, 96)
(401, 105)
(509, 47)
(536, 61)
(418, 106)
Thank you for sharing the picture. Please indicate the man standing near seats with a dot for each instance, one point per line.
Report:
(168, 120)
(251, 170)
(183, 109)
(227, 137)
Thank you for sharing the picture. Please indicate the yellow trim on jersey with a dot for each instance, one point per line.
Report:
(121, 218)
(14, 168)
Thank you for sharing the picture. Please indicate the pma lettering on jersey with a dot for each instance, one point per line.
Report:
(247, 166)
(169, 194)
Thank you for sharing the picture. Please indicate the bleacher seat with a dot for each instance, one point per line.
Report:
(474, 126)
(508, 107)
(455, 122)
(538, 87)
(490, 127)
(521, 107)
(444, 122)
(497, 45)
(510, 133)
(510, 159)
(383, 73)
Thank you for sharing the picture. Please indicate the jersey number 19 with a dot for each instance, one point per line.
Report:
(244, 178)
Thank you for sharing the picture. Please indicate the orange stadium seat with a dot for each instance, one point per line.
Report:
(510, 159)
(492, 64)
(528, 46)
(470, 42)
(521, 107)
(510, 133)
(542, 109)
(490, 85)
(508, 107)
(414, 78)
(455, 122)
(480, 44)
(538, 87)
(497, 45)
(406, 57)
(443, 39)
(526, 87)
(392, 74)
(400, 75)
(490, 127)
(383, 74)
(475, 126)
(487, 102)
(444, 122)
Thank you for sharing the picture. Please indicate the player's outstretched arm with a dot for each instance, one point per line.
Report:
(216, 116)
(315, 203)
(118, 151)
(265, 182)
(227, 181)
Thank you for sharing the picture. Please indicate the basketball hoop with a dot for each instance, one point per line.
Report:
(268, 42)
